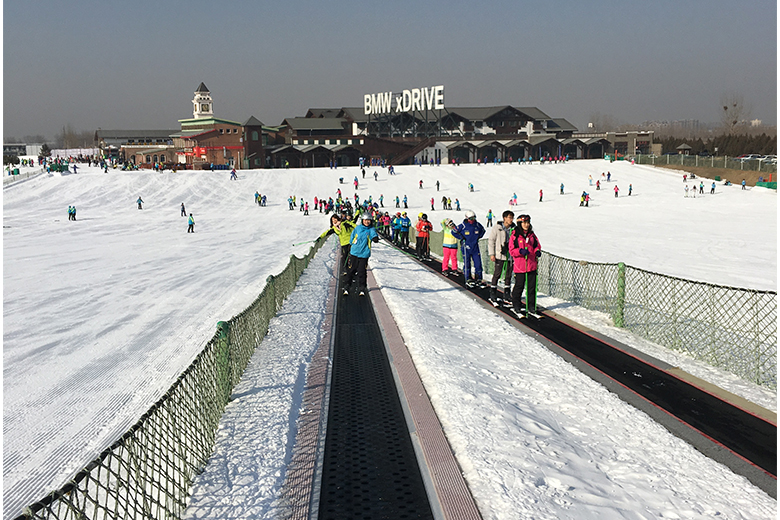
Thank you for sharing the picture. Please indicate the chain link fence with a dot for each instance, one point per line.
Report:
(732, 163)
(729, 328)
(147, 472)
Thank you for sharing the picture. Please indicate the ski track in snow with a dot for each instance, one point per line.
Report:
(101, 315)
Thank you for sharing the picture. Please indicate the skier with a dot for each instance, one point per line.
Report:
(397, 202)
(191, 224)
(421, 184)
(489, 218)
(432, 201)
(457, 205)
(437, 185)
(306, 209)
(616, 191)
(469, 232)
(525, 250)
(743, 184)
(449, 248)
(342, 229)
(701, 188)
(498, 249)
(360, 250)
(630, 189)
(406, 223)
(376, 176)
(406, 203)
(396, 228)
(686, 191)
(183, 211)
(608, 176)
(712, 189)
(598, 185)
(541, 194)
(381, 201)
(423, 227)
(561, 188)
(139, 202)
(233, 176)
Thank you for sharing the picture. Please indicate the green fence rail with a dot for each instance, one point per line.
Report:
(147, 472)
(731, 163)
(730, 328)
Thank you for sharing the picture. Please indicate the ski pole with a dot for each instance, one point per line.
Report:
(307, 242)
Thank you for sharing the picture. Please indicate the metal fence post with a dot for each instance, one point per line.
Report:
(621, 295)
(223, 360)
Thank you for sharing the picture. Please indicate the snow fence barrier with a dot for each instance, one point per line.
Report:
(147, 472)
(730, 328)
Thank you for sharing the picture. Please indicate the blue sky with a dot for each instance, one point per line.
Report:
(135, 65)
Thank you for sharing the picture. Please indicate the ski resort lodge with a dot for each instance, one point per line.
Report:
(420, 132)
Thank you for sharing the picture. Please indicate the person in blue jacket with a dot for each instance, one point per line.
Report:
(469, 232)
(406, 223)
(360, 250)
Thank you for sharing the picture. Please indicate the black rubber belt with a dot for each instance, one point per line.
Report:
(369, 465)
(745, 434)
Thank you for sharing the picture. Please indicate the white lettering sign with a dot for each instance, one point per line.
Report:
(416, 99)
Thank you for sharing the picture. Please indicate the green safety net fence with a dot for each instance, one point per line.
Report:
(147, 472)
(730, 328)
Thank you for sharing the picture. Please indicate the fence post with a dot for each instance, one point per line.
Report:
(223, 361)
(621, 295)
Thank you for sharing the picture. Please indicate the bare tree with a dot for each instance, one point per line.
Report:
(733, 111)
(598, 122)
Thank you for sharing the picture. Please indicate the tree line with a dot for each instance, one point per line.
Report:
(727, 144)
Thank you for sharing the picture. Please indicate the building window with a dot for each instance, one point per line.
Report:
(162, 158)
(155, 158)
(321, 141)
(334, 141)
(148, 159)
(254, 137)
(221, 131)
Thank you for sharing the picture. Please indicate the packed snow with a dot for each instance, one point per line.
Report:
(102, 314)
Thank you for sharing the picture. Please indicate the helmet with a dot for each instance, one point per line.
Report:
(423, 216)
(420, 215)
(470, 214)
(367, 216)
(524, 218)
(404, 213)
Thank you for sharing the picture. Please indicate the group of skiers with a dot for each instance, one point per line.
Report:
(512, 248)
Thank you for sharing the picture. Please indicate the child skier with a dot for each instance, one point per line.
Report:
(360, 251)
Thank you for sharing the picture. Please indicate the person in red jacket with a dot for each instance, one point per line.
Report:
(424, 228)
(525, 249)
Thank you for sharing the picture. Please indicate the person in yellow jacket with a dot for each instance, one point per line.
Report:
(342, 229)
(449, 248)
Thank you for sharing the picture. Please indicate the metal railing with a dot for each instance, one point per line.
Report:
(147, 472)
(10, 179)
(731, 163)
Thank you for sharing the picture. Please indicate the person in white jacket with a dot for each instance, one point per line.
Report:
(499, 255)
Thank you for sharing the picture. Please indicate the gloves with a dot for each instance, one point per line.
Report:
(375, 240)
(538, 254)
(523, 252)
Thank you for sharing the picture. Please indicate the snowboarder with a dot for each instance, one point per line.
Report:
(525, 249)
(139, 202)
(191, 224)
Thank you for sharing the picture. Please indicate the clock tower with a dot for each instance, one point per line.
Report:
(203, 105)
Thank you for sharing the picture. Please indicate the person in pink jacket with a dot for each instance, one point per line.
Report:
(525, 249)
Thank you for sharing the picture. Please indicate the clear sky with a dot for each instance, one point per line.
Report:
(135, 65)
